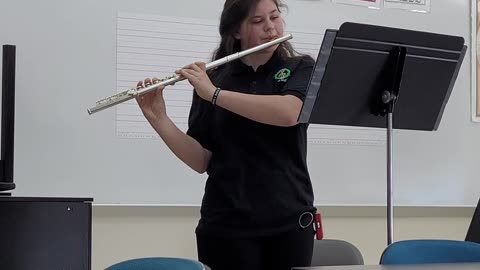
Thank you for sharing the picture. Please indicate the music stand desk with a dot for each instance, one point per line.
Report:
(446, 266)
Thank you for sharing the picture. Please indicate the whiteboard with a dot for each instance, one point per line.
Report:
(66, 60)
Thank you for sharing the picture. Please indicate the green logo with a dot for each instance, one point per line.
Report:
(282, 75)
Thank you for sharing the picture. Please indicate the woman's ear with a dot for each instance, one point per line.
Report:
(236, 35)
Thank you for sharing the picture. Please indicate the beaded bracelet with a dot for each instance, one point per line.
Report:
(215, 95)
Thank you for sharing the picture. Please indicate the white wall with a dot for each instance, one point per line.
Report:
(121, 233)
(66, 60)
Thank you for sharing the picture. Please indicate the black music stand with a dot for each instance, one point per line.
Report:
(366, 74)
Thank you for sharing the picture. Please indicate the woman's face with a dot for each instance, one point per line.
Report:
(263, 24)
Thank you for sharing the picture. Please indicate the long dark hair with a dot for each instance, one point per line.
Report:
(233, 14)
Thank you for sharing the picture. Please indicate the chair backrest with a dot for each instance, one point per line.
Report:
(431, 251)
(335, 252)
(158, 263)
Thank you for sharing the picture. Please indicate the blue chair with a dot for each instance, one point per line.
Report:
(158, 263)
(431, 251)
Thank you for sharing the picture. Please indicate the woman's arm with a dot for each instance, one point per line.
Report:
(186, 148)
(275, 110)
(279, 110)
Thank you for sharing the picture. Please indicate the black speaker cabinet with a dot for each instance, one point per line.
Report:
(45, 233)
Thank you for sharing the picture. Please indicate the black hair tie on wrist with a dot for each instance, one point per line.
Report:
(215, 95)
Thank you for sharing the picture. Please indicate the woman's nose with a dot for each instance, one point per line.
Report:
(268, 25)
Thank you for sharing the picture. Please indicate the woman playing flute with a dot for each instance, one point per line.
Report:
(257, 210)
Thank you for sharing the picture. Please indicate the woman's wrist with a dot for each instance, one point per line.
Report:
(215, 95)
(159, 121)
(155, 118)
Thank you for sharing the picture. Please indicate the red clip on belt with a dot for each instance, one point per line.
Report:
(318, 226)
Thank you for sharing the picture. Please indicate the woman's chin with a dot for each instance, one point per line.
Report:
(271, 49)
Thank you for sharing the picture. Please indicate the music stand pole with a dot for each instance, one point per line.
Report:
(389, 178)
(389, 98)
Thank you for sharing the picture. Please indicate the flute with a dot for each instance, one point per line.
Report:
(133, 92)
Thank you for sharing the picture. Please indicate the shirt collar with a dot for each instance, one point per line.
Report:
(240, 67)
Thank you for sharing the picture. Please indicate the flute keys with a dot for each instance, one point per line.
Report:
(132, 92)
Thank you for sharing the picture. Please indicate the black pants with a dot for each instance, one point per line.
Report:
(278, 252)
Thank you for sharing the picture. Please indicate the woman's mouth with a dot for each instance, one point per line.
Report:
(270, 38)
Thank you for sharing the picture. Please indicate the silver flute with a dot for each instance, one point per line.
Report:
(133, 92)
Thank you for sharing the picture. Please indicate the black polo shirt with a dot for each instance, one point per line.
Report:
(258, 182)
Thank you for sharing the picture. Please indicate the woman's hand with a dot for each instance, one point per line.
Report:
(152, 103)
(197, 76)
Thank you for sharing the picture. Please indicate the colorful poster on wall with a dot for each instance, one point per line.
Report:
(410, 5)
(363, 3)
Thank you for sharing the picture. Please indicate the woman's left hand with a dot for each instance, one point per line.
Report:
(197, 76)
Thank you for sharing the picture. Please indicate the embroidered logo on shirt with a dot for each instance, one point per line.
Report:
(282, 75)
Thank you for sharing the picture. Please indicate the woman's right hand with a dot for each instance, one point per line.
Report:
(152, 103)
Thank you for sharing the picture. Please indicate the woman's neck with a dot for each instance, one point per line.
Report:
(257, 59)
